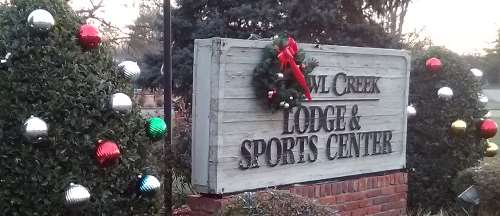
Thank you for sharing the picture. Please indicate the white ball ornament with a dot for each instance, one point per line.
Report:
(35, 129)
(280, 75)
(445, 93)
(487, 115)
(286, 105)
(41, 19)
(76, 195)
(411, 111)
(7, 56)
(478, 74)
(483, 99)
(130, 69)
(271, 94)
(121, 102)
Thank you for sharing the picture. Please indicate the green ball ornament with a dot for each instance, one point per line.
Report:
(156, 128)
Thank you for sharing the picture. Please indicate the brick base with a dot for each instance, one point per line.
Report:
(382, 194)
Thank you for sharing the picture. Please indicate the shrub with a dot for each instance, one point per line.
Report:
(432, 151)
(485, 178)
(275, 203)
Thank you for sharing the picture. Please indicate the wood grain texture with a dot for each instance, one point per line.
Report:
(226, 112)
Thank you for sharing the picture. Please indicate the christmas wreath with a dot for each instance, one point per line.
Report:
(280, 77)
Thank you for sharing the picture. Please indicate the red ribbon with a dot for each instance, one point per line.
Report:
(286, 56)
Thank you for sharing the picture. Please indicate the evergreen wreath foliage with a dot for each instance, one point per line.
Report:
(266, 76)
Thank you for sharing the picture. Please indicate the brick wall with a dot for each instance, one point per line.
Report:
(383, 194)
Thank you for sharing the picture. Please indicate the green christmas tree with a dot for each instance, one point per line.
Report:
(434, 152)
(49, 75)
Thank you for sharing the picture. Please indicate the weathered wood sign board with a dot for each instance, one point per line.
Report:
(355, 124)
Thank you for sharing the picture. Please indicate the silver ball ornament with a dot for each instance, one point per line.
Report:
(148, 184)
(280, 75)
(35, 129)
(41, 19)
(291, 98)
(286, 105)
(411, 111)
(445, 93)
(121, 102)
(282, 103)
(483, 99)
(130, 69)
(478, 74)
(76, 194)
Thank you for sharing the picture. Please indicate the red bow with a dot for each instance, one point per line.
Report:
(286, 56)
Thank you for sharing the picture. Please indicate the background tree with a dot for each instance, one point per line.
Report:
(340, 22)
(492, 63)
(50, 76)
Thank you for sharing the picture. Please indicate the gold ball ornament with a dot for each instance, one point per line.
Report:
(458, 127)
(491, 149)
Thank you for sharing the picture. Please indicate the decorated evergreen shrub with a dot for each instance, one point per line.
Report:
(60, 74)
(443, 136)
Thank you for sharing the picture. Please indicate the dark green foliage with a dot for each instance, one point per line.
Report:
(50, 76)
(485, 178)
(266, 79)
(435, 154)
(150, 76)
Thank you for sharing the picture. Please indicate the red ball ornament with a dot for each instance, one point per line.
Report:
(107, 152)
(433, 65)
(89, 36)
(488, 129)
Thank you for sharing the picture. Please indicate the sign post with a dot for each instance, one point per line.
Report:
(167, 92)
(355, 123)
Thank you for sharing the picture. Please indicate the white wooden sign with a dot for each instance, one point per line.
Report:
(355, 124)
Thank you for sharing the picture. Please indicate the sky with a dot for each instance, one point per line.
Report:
(120, 12)
(464, 26)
